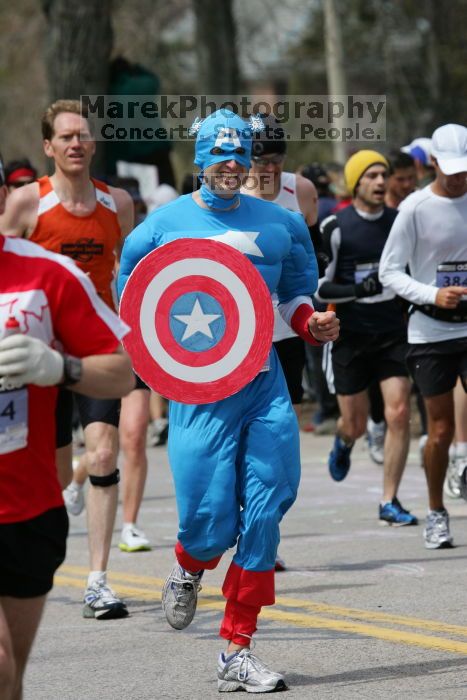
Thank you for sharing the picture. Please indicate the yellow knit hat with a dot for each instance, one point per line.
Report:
(358, 164)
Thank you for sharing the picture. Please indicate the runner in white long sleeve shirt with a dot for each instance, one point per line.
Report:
(429, 236)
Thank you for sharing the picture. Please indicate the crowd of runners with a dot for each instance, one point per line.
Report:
(367, 269)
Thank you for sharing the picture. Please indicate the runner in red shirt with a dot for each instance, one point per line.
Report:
(43, 299)
(78, 216)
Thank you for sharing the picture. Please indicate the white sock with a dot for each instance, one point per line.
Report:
(96, 576)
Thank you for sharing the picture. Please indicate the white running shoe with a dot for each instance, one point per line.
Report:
(180, 596)
(159, 432)
(452, 482)
(462, 476)
(245, 671)
(73, 496)
(376, 433)
(436, 533)
(101, 603)
(133, 539)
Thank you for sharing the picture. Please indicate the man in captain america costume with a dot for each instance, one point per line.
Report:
(235, 462)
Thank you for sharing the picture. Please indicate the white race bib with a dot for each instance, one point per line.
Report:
(13, 420)
(451, 274)
(362, 270)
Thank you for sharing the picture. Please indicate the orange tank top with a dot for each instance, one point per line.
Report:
(89, 240)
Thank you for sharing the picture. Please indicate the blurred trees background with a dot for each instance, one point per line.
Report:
(78, 46)
(415, 51)
(216, 47)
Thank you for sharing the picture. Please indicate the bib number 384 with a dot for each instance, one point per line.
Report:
(13, 420)
(451, 274)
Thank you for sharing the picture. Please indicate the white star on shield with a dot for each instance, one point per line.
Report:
(197, 321)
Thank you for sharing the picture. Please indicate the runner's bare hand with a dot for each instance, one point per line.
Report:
(324, 326)
(449, 297)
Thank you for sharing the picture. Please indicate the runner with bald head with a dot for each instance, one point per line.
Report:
(267, 180)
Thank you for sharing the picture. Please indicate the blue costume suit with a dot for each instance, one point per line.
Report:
(235, 462)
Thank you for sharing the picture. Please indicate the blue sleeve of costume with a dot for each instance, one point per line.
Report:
(137, 244)
(299, 269)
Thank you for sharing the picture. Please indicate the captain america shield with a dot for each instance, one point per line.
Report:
(201, 319)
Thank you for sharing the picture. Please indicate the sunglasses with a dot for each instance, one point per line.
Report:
(275, 160)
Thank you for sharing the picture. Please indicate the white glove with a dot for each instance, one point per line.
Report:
(26, 360)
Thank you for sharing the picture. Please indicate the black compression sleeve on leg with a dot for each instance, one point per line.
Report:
(108, 480)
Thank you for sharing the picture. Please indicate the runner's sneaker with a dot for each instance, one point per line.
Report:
(245, 671)
(180, 596)
(133, 539)
(73, 496)
(101, 603)
(160, 432)
(392, 513)
(327, 426)
(452, 482)
(462, 472)
(279, 564)
(339, 459)
(436, 532)
(375, 434)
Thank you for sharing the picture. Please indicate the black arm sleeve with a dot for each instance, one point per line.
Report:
(330, 290)
(334, 291)
(368, 287)
(316, 238)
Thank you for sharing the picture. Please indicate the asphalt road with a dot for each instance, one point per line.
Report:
(363, 611)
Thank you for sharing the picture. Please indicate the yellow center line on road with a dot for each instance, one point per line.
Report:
(286, 602)
(297, 619)
(124, 591)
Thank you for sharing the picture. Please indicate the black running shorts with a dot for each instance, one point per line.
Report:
(90, 411)
(435, 367)
(360, 359)
(291, 352)
(140, 384)
(32, 550)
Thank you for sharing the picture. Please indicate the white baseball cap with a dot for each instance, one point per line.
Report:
(449, 147)
(420, 149)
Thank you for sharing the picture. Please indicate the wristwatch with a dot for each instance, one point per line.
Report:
(72, 370)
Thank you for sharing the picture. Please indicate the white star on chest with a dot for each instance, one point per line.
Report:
(197, 321)
(243, 241)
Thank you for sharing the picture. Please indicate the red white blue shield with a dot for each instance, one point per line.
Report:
(201, 319)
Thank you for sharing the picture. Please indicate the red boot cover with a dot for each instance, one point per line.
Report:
(191, 564)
